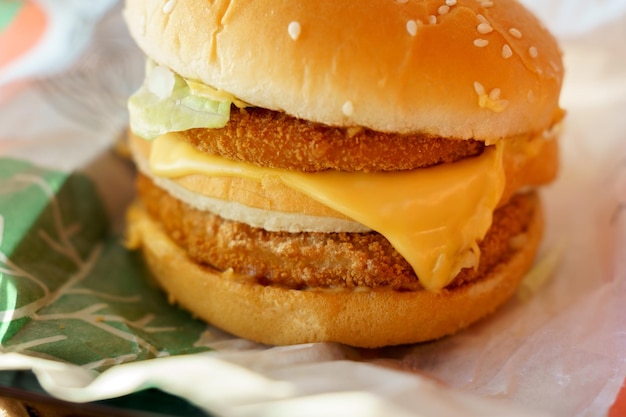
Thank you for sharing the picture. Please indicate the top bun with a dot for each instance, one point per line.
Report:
(451, 68)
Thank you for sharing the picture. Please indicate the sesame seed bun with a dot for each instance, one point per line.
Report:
(464, 88)
(471, 69)
(357, 317)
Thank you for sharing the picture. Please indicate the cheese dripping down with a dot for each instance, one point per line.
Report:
(433, 217)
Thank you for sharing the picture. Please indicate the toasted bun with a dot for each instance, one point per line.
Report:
(461, 71)
(368, 318)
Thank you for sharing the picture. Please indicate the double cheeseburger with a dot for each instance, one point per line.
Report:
(362, 172)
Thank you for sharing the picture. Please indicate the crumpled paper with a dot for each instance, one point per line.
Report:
(558, 352)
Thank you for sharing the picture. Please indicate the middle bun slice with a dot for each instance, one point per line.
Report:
(262, 228)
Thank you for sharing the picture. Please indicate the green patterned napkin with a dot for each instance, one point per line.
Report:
(68, 289)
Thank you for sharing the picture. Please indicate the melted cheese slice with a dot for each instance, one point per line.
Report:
(433, 217)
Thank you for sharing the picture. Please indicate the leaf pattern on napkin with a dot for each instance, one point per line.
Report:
(68, 289)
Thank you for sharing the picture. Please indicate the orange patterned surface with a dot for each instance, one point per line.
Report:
(22, 33)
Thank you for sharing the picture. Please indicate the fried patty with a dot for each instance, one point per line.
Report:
(274, 139)
(315, 260)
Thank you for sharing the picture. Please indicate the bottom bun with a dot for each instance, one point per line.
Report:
(361, 317)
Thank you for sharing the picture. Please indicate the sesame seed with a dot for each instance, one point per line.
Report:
(432, 19)
(486, 3)
(411, 27)
(443, 9)
(484, 28)
(451, 3)
(491, 101)
(402, 1)
(168, 6)
(533, 52)
(479, 88)
(506, 52)
(515, 33)
(347, 108)
(530, 96)
(294, 30)
(481, 43)
(482, 18)
(555, 67)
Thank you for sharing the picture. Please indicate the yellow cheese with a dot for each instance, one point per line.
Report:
(433, 217)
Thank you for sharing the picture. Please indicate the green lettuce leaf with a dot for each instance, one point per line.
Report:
(166, 103)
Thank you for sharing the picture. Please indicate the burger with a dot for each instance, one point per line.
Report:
(360, 172)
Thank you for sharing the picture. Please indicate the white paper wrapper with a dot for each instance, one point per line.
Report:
(67, 33)
(558, 351)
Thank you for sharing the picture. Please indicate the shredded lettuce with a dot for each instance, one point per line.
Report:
(166, 103)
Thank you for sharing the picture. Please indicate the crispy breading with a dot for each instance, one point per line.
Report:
(277, 140)
(304, 260)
